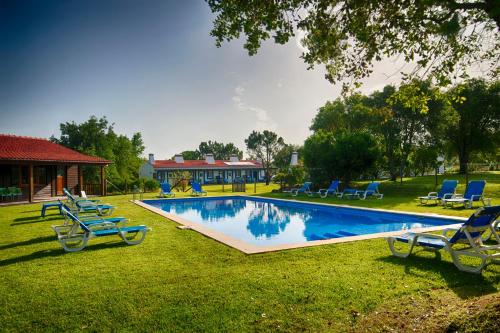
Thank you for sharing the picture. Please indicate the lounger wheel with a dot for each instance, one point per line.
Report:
(74, 243)
(132, 238)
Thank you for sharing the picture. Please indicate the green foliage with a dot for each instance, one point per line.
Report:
(441, 38)
(265, 146)
(96, 137)
(284, 156)
(150, 185)
(476, 130)
(319, 156)
(355, 154)
(180, 180)
(191, 155)
(221, 151)
(424, 159)
(290, 177)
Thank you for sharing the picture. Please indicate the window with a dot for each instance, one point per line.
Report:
(40, 175)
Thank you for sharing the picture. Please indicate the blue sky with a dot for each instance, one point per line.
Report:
(151, 67)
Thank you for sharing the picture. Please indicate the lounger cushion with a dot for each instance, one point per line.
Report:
(422, 241)
(115, 231)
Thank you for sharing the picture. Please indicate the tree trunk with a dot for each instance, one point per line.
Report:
(463, 158)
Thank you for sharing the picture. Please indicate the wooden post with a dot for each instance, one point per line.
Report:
(80, 179)
(30, 185)
(103, 181)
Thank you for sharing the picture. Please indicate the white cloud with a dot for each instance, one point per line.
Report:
(263, 120)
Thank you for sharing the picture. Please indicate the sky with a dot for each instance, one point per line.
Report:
(152, 67)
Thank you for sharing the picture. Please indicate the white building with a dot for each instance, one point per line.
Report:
(206, 171)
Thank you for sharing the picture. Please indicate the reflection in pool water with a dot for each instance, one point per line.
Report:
(274, 222)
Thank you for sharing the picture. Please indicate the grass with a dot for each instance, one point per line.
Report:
(180, 280)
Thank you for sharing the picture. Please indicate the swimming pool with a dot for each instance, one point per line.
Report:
(255, 224)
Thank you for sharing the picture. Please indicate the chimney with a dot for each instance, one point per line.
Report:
(233, 158)
(179, 158)
(295, 159)
(151, 159)
(209, 158)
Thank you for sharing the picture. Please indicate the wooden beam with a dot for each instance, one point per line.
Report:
(30, 183)
(103, 181)
(80, 178)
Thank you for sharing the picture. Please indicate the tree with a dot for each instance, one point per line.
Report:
(191, 155)
(221, 151)
(355, 154)
(477, 105)
(284, 156)
(264, 146)
(319, 157)
(441, 37)
(96, 137)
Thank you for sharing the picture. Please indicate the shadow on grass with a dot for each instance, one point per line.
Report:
(37, 240)
(56, 253)
(34, 219)
(464, 284)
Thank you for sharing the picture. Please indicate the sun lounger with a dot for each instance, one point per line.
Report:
(305, 189)
(446, 192)
(470, 233)
(473, 192)
(166, 191)
(196, 190)
(75, 237)
(333, 189)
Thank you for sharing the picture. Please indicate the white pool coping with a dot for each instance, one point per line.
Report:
(248, 248)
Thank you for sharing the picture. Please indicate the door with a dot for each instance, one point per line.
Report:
(60, 180)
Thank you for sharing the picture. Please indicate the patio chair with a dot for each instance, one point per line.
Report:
(76, 236)
(5, 193)
(370, 191)
(196, 190)
(88, 206)
(166, 191)
(333, 189)
(446, 192)
(305, 188)
(473, 192)
(89, 219)
(83, 196)
(15, 192)
(469, 233)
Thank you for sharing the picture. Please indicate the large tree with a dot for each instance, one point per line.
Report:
(264, 146)
(96, 137)
(441, 37)
(477, 105)
(220, 150)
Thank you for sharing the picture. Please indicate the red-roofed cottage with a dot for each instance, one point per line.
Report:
(207, 171)
(41, 168)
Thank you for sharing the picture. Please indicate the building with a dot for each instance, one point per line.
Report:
(207, 171)
(41, 168)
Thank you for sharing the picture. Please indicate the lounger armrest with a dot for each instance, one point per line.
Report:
(474, 196)
(457, 196)
(432, 194)
(448, 195)
(321, 190)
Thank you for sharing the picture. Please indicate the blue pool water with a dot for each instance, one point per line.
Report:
(267, 222)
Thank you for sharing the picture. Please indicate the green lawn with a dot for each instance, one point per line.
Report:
(180, 280)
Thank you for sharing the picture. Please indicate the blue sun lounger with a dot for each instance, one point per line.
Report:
(196, 189)
(88, 206)
(305, 188)
(370, 191)
(166, 191)
(76, 236)
(447, 191)
(333, 189)
(469, 233)
(473, 192)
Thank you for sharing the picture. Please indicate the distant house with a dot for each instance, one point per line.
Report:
(41, 168)
(207, 171)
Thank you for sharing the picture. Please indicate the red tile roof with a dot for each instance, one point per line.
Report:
(24, 148)
(202, 164)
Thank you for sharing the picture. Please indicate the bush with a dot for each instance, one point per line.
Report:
(150, 185)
